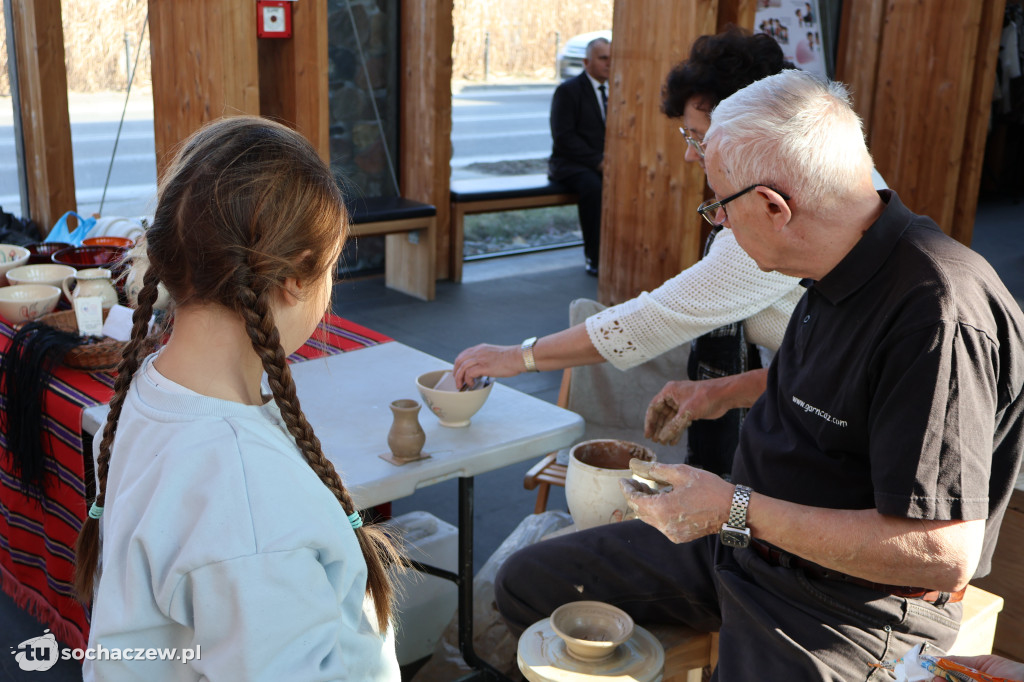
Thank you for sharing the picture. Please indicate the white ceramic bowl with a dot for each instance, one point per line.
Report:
(592, 479)
(452, 408)
(591, 629)
(49, 273)
(11, 256)
(26, 302)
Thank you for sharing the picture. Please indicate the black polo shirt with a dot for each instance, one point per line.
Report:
(898, 385)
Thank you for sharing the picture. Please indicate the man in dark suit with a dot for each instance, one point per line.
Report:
(578, 110)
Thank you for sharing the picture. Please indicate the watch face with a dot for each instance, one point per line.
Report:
(733, 537)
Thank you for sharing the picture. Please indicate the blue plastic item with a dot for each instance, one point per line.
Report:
(60, 232)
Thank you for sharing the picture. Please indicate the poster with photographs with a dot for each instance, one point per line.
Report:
(796, 27)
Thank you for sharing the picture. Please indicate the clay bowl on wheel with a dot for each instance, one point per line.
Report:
(591, 629)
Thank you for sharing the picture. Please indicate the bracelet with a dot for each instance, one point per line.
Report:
(527, 348)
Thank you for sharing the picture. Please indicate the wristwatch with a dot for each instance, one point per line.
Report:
(527, 348)
(734, 531)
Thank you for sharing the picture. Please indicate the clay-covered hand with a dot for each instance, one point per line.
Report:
(487, 360)
(688, 503)
(677, 405)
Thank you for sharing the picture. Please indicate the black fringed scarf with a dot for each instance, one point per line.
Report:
(25, 372)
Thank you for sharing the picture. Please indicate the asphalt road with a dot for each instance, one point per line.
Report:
(489, 124)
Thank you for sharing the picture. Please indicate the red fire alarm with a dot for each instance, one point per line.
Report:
(274, 18)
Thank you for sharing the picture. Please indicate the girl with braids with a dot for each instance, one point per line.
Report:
(224, 526)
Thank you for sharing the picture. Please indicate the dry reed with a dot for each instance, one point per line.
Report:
(522, 39)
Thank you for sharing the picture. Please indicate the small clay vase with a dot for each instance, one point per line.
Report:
(406, 436)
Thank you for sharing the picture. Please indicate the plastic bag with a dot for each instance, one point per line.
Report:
(61, 233)
(492, 640)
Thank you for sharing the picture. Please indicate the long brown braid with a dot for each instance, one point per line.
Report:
(87, 545)
(264, 336)
(246, 204)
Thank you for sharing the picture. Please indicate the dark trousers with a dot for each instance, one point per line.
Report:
(775, 623)
(587, 185)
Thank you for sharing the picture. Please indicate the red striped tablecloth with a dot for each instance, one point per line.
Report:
(37, 539)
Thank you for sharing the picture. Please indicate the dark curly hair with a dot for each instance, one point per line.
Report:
(718, 66)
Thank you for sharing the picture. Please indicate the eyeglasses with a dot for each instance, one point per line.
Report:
(709, 209)
(698, 145)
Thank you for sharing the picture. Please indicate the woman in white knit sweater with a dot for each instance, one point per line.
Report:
(725, 287)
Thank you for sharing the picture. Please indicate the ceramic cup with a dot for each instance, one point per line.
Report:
(592, 479)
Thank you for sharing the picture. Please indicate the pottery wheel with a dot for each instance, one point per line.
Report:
(542, 657)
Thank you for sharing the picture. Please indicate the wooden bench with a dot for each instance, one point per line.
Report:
(410, 260)
(495, 194)
(688, 652)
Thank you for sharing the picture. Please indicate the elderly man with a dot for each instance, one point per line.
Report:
(578, 110)
(873, 472)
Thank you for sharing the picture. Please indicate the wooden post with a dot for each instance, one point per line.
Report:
(43, 87)
(293, 76)
(205, 66)
(922, 76)
(425, 149)
(650, 229)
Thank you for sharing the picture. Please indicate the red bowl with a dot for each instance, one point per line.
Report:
(90, 256)
(122, 242)
(42, 252)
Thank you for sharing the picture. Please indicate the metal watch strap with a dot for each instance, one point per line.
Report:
(527, 348)
(738, 510)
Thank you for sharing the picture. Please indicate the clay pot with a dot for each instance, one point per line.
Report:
(406, 437)
(592, 479)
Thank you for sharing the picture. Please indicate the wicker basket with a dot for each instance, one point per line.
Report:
(94, 355)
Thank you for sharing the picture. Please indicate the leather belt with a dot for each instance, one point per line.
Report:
(777, 557)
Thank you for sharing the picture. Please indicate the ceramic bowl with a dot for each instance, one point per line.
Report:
(120, 242)
(591, 629)
(592, 479)
(90, 256)
(42, 252)
(26, 302)
(42, 273)
(452, 408)
(11, 256)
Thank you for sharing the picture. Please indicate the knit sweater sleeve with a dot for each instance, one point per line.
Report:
(726, 286)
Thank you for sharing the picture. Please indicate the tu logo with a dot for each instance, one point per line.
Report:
(38, 653)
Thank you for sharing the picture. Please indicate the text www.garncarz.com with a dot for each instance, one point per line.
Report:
(819, 412)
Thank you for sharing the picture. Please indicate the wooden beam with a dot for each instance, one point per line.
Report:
(43, 88)
(425, 108)
(650, 229)
(293, 76)
(860, 34)
(922, 102)
(205, 66)
(979, 110)
(737, 12)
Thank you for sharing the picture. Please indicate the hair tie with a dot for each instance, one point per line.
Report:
(95, 511)
(354, 518)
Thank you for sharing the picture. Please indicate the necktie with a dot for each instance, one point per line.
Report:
(604, 100)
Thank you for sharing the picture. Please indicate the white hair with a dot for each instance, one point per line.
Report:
(796, 133)
(594, 43)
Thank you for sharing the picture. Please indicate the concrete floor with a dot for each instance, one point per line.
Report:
(504, 301)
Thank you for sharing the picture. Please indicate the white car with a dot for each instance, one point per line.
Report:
(570, 57)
